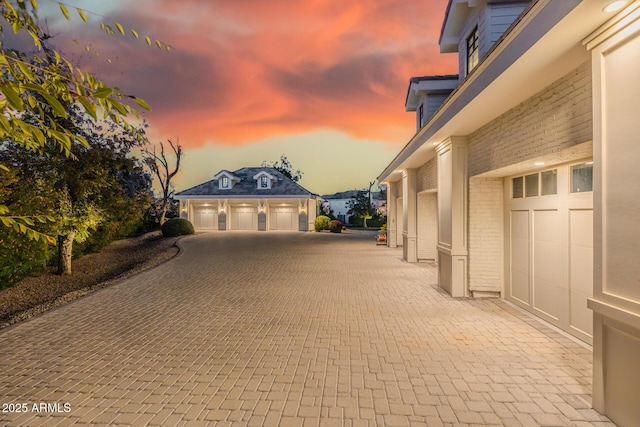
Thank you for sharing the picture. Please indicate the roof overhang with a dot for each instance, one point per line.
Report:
(419, 86)
(244, 196)
(544, 45)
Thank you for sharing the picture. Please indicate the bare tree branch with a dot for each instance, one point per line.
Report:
(160, 166)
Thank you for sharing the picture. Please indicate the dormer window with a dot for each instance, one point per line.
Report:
(264, 180)
(472, 50)
(226, 180)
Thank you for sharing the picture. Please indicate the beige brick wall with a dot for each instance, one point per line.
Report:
(485, 235)
(556, 118)
(427, 176)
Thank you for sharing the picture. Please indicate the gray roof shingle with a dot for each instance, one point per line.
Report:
(248, 186)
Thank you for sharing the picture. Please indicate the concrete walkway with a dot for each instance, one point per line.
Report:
(290, 329)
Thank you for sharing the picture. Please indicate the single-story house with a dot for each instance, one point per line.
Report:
(521, 181)
(251, 198)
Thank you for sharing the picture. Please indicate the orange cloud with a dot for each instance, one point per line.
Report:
(244, 70)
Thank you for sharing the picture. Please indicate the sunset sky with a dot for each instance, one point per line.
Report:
(321, 81)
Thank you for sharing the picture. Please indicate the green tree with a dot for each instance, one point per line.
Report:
(360, 208)
(36, 86)
(95, 190)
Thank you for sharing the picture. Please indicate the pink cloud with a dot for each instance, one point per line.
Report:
(243, 70)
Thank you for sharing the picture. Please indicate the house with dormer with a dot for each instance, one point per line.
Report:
(252, 198)
(520, 181)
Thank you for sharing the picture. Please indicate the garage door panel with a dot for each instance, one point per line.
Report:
(581, 270)
(547, 225)
(548, 298)
(244, 218)
(520, 255)
(283, 218)
(520, 224)
(205, 219)
(520, 286)
(548, 261)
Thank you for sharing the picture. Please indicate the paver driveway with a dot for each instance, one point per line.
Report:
(291, 329)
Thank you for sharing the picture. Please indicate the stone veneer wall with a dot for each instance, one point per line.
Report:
(486, 257)
(556, 118)
(427, 176)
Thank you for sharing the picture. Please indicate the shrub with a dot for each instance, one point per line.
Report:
(335, 226)
(321, 223)
(177, 227)
(20, 256)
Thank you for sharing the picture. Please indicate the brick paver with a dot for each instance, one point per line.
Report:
(291, 329)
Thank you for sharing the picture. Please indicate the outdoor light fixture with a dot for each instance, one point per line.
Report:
(539, 163)
(614, 6)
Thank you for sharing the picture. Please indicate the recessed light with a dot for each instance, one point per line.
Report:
(434, 143)
(539, 163)
(615, 6)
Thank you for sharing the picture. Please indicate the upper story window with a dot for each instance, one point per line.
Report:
(421, 116)
(225, 182)
(264, 180)
(472, 50)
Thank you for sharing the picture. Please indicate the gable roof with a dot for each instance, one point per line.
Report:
(247, 186)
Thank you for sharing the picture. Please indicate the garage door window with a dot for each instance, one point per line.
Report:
(535, 184)
(531, 185)
(549, 183)
(517, 187)
(582, 177)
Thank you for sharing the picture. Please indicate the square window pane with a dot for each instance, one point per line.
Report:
(516, 184)
(582, 178)
(549, 182)
(531, 185)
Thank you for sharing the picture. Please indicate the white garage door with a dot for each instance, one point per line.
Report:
(244, 218)
(205, 218)
(283, 218)
(427, 225)
(549, 246)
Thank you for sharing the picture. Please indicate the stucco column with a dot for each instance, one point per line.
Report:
(262, 215)
(312, 210)
(452, 216)
(616, 202)
(223, 220)
(410, 215)
(392, 214)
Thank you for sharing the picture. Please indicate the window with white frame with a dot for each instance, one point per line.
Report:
(264, 182)
(582, 177)
(535, 184)
(472, 50)
(225, 182)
